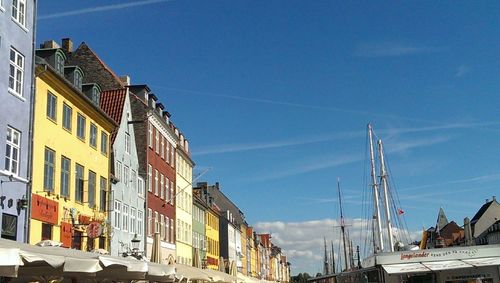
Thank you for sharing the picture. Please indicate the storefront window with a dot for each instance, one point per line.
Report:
(9, 227)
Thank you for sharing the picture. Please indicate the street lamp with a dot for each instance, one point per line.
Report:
(134, 252)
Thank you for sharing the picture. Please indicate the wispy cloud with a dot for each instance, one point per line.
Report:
(482, 178)
(386, 49)
(291, 104)
(461, 71)
(316, 165)
(101, 9)
(228, 148)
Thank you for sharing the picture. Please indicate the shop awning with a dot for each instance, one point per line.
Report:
(218, 276)
(190, 272)
(426, 266)
(405, 268)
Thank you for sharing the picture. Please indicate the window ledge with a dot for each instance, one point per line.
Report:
(2, 9)
(20, 25)
(17, 95)
(14, 176)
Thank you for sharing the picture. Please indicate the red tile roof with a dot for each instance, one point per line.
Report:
(112, 102)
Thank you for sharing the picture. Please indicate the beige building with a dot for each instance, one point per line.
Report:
(184, 202)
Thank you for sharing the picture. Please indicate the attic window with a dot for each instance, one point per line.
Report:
(78, 78)
(95, 95)
(60, 63)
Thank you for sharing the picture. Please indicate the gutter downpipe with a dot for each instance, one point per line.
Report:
(31, 129)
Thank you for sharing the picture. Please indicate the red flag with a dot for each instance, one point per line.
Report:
(400, 211)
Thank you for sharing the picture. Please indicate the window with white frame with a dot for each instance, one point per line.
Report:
(117, 214)
(150, 178)
(132, 220)
(172, 156)
(19, 12)
(168, 153)
(60, 63)
(150, 135)
(162, 226)
(140, 186)
(179, 227)
(125, 217)
(133, 179)
(127, 143)
(125, 176)
(140, 224)
(16, 74)
(104, 143)
(118, 170)
(171, 192)
(167, 189)
(162, 149)
(93, 135)
(156, 182)
(12, 149)
(172, 238)
(51, 106)
(162, 191)
(157, 222)
(67, 117)
(157, 141)
(80, 126)
(167, 229)
(150, 221)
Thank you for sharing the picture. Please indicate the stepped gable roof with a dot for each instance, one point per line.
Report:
(481, 211)
(95, 69)
(112, 102)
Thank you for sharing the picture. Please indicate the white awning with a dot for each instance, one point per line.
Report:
(486, 261)
(405, 268)
(218, 276)
(190, 272)
(446, 264)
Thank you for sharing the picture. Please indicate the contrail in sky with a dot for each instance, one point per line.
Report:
(101, 9)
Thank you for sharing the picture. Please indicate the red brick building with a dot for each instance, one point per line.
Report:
(156, 142)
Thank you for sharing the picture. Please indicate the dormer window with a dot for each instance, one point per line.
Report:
(95, 96)
(78, 79)
(59, 63)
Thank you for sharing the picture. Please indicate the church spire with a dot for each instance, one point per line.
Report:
(441, 220)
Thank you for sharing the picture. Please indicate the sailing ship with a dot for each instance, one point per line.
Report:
(392, 260)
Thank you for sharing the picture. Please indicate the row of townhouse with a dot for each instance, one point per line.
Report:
(230, 244)
(95, 163)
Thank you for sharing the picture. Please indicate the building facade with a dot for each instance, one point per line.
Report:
(17, 19)
(156, 143)
(199, 233)
(184, 201)
(127, 198)
(71, 156)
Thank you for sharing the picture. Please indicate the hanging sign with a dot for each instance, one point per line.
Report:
(94, 230)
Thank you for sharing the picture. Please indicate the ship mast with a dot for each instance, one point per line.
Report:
(379, 245)
(342, 226)
(383, 177)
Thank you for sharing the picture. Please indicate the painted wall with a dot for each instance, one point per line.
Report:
(212, 232)
(199, 243)
(15, 113)
(126, 193)
(50, 133)
(183, 208)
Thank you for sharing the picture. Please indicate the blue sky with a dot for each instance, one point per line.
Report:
(275, 96)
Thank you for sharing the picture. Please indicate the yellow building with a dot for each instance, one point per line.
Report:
(253, 253)
(244, 249)
(212, 234)
(184, 202)
(71, 156)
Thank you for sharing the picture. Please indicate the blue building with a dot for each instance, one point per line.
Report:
(17, 30)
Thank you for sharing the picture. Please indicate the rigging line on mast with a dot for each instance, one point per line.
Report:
(342, 225)
(383, 180)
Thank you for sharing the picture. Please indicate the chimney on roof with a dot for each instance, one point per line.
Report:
(125, 79)
(487, 200)
(50, 44)
(67, 45)
(217, 185)
(494, 198)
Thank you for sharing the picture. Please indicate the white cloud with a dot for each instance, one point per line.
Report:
(101, 9)
(303, 242)
(388, 49)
